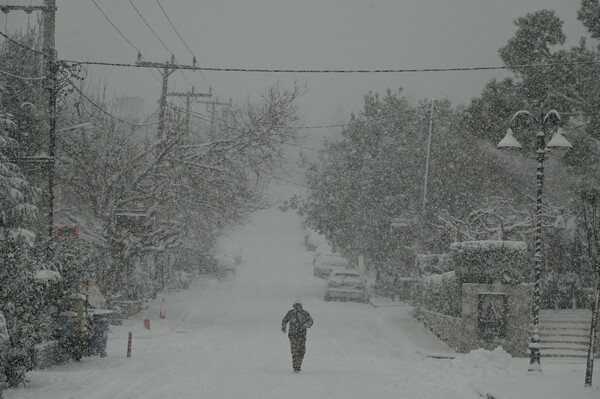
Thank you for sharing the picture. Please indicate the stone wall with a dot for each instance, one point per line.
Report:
(464, 334)
(446, 328)
(518, 318)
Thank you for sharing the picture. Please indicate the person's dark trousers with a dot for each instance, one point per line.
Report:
(298, 346)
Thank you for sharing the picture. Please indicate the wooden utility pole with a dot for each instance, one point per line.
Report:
(427, 157)
(166, 69)
(189, 97)
(50, 69)
(212, 108)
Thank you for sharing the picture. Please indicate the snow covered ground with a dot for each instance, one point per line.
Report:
(222, 339)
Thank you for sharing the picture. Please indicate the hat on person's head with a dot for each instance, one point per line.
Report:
(297, 303)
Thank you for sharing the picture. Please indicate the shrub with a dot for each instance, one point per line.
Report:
(489, 262)
(439, 293)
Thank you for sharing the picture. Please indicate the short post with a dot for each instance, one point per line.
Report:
(129, 344)
(163, 310)
(147, 317)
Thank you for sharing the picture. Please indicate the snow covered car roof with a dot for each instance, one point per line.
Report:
(332, 260)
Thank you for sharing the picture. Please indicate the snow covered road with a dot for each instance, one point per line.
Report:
(223, 339)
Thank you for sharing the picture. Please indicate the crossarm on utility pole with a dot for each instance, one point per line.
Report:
(188, 103)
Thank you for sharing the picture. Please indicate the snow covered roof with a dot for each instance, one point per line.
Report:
(436, 278)
(131, 213)
(400, 223)
(47, 275)
(27, 235)
(489, 244)
(68, 313)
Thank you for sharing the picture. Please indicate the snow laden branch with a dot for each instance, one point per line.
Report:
(497, 219)
(252, 136)
(149, 199)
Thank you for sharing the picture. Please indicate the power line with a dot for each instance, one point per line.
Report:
(20, 44)
(117, 29)
(223, 122)
(186, 79)
(108, 113)
(183, 41)
(344, 71)
(123, 36)
(154, 76)
(175, 29)
(149, 27)
(302, 146)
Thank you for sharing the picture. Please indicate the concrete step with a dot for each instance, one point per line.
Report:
(567, 312)
(564, 332)
(565, 320)
(566, 315)
(579, 346)
(578, 339)
(563, 353)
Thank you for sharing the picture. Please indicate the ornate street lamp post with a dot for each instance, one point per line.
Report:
(558, 140)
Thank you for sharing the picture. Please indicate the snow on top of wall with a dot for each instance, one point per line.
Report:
(489, 244)
(433, 263)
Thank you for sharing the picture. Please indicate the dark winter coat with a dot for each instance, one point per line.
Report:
(299, 320)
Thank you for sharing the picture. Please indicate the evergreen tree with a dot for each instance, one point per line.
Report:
(18, 304)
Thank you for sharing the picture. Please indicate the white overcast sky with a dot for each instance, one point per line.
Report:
(340, 34)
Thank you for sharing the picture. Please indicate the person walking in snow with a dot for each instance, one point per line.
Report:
(299, 320)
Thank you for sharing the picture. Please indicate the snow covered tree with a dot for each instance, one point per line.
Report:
(23, 98)
(376, 173)
(143, 201)
(17, 303)
(17, 196)
(589, 15)
(18, 213)
(561, 79)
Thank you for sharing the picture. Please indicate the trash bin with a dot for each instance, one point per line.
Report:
(98, 332)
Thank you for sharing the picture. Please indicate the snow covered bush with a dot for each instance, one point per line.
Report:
(489, 262)
(440, 293)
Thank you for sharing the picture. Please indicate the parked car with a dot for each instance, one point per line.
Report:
(346, 285)
(324, 264)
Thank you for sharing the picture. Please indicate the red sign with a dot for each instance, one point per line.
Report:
(66, 232)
